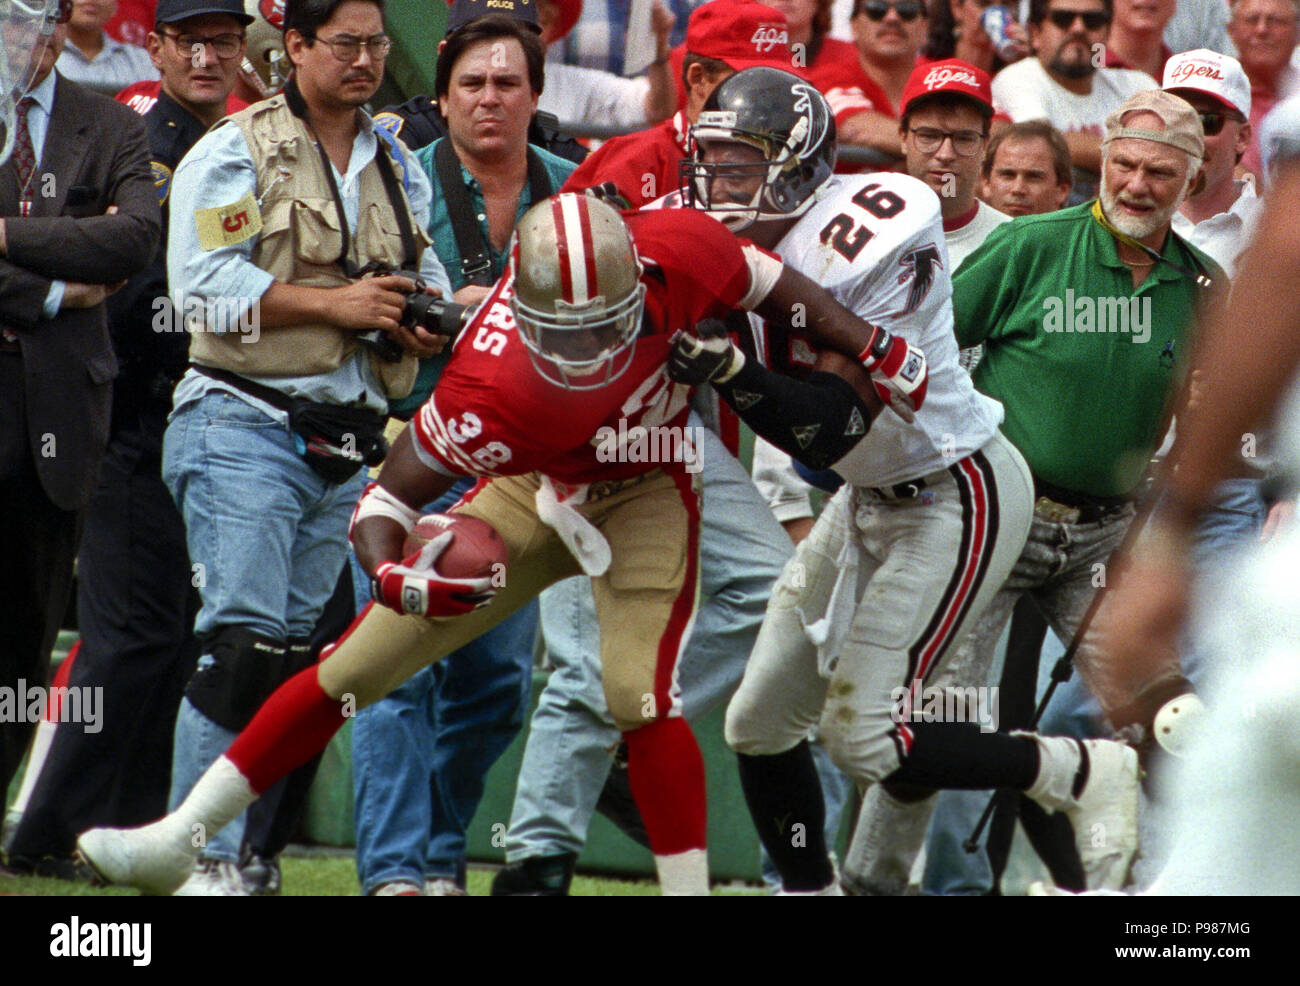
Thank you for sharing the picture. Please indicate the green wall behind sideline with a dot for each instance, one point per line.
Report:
(416, 27)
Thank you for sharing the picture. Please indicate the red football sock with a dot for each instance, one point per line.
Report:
(666, 773)
(290, 728)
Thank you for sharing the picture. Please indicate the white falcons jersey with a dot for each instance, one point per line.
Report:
(876, 243)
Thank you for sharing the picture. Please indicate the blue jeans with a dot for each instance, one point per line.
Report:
(572, 738)
(1234, 522)
(267, 539)
(420, 754)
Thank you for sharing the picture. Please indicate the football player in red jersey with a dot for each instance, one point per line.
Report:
(552, 385)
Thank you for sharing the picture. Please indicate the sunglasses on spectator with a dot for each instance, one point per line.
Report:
(928, 140)
(878, 10)
(1212, 122)
(346, 47)
(227, 46)
(65, 12)
(1092, 19)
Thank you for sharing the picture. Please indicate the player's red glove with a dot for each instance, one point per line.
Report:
(415, 587)
(898, 372)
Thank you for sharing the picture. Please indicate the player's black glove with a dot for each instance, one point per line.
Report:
(607, 191)
(707, 357)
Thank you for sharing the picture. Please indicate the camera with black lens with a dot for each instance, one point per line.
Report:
(430, 312)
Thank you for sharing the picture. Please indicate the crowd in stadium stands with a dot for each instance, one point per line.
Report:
(193, 607)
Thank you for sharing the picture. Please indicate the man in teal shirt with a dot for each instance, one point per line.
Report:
(421, 753)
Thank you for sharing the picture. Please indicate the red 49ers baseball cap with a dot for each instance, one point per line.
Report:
(951, 75)
(742, 33)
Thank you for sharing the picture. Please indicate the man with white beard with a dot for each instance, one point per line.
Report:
(1063, 305)
(1241, 774)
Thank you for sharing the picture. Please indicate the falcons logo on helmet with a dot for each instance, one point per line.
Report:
(919, 265)
(803, 133)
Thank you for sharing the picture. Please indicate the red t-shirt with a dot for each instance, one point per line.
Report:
(643, 165)
(1114, 61)
(850, 91)
(133, 21)
(493, 414)
(141, 96)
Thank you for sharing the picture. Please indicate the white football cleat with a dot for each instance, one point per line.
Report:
(214, 878)
(1103, 813)
(148, 858)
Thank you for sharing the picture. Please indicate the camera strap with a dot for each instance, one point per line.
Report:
(336, 441)
(475, 256)
(410, 252)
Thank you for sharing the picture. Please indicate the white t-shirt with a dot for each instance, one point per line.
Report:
(1024, 91)
(1226, 235)
(578, 95)
(964, 240)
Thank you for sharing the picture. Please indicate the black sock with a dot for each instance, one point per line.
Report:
(785, 801)
(962, 756)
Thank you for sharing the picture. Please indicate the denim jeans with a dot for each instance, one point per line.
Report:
(267, 539)
(1233, 523)
(572, 739)
(420, 754)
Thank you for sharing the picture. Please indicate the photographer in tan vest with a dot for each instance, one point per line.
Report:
(288, 221)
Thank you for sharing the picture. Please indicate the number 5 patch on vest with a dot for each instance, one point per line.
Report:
(227, 225)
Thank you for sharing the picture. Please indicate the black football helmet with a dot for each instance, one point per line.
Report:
(790, 124)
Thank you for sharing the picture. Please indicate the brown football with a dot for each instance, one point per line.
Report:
(476, 549)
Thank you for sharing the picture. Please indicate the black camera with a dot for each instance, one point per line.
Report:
(429, 312)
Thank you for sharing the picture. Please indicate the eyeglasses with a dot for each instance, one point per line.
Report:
(65, 12)
(928, 140)
(227, 46)
(1092, 19)
(878, 10)
(346, 48)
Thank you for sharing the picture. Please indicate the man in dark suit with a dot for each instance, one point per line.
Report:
(80, 215)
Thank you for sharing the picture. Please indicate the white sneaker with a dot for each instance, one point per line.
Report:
(398, 888)
(442, 887)
(147, 857)
(214, 878)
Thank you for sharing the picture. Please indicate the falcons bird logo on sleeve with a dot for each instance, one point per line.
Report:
(919, 265)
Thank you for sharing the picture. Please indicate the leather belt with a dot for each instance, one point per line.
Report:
(1061, 506)
(900, 491)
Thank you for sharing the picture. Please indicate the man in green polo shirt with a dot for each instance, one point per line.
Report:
(1086, 338)
(1086, 317)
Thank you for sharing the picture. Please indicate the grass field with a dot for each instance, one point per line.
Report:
(336, 876)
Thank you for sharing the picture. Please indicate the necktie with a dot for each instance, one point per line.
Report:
(24, 155)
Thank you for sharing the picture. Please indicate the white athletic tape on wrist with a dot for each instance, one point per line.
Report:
(764, 270)
(378, 502)
(1174, 726)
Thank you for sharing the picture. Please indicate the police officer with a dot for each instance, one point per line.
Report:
(136, 597)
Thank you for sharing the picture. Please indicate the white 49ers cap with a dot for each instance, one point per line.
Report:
(1209, 72)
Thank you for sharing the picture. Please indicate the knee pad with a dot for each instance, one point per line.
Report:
(246, 667)
(865, 756)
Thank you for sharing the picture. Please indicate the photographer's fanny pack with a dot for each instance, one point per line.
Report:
(335, 441)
